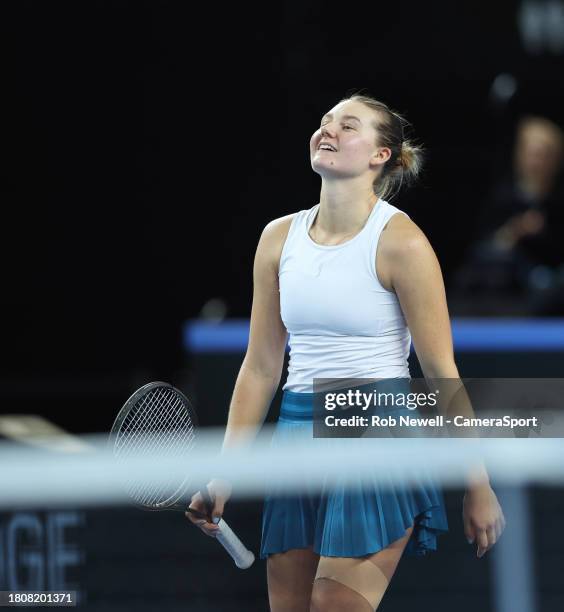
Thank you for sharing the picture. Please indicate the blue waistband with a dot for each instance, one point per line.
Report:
(299, 406)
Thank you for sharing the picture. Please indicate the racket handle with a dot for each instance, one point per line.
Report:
(243, 557)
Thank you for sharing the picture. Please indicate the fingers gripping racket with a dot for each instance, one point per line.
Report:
(158, 420)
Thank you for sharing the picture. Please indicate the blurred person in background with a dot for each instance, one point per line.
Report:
(519, 248)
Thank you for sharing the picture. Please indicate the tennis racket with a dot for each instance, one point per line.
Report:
(159, 421)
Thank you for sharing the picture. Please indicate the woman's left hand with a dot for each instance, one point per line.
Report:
(483, 517)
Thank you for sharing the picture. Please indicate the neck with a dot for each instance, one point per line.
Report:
(344, 208)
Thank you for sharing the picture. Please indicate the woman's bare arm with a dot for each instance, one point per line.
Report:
(411, 268)
(414, 273)
(261, 369)
(415, 276)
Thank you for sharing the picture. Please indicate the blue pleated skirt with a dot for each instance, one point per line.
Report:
(348, 519)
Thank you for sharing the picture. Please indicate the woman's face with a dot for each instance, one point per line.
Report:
(349, 129)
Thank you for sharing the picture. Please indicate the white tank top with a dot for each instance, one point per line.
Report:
(342, 322)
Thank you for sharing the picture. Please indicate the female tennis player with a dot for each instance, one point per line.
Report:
(353, 280)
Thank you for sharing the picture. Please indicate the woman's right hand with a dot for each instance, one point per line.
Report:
(219, 492)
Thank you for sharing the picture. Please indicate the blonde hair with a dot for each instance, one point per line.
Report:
(406, 159)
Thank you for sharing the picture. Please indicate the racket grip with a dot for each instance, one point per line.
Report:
(243, 557)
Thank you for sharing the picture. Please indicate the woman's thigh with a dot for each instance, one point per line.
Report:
(356, 584)
(290, 579)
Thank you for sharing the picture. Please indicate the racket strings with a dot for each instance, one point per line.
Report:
(175, 444)
(150, 425)
(145, 423)
(138, 438)
(178, 436)
(137, 433)
(159, 425)
(141, 428)
(142, 418)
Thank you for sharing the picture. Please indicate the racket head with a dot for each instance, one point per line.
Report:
(157, 419)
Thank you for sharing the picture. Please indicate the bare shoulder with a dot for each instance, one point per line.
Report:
(273, 238)
(401, 241)
(278, 229)
(401, 234)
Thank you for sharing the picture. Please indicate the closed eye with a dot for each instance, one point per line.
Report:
(350, 127)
